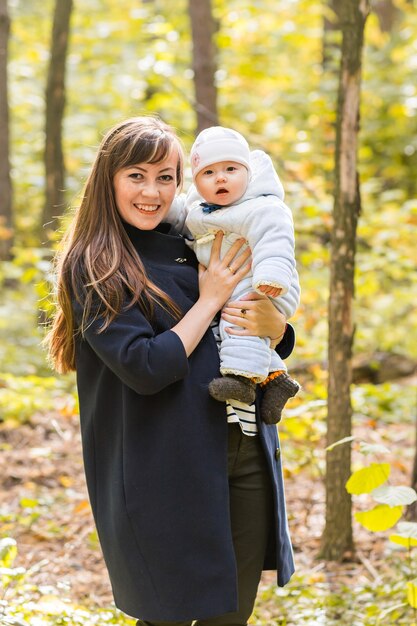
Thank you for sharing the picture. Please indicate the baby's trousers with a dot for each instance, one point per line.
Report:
(251, 503)
(247, 356)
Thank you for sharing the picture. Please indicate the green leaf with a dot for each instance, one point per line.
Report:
(372, 448)
(394, 496)
(28, 503)
(412, 593)
(12, 572)
(8, 551)
(407, 529)
(368, 478)
(406, 542)
(340, 442)
(380, 518)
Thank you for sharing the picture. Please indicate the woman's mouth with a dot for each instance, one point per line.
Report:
(148, 208)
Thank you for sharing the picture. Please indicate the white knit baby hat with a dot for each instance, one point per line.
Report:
(218, 144)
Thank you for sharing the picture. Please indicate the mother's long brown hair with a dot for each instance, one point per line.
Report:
(97, 264)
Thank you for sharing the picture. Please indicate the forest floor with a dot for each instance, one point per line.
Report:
(44, 507)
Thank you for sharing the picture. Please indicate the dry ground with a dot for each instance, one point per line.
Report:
(44, 506)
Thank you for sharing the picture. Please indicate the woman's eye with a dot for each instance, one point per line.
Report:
(167, 178)
(135, 175)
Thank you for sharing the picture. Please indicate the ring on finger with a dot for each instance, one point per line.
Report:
(243, 311)
(231, 269)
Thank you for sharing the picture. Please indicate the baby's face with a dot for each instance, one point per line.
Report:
(222, 183)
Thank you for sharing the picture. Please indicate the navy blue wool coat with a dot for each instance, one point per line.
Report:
(155, 454)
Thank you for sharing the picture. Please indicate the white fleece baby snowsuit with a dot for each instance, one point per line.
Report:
(264, 220)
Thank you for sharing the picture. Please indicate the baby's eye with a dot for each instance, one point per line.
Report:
(208, 172)
(231, 168)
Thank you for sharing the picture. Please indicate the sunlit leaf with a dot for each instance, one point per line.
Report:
(28, 503)
(406, 542)
(82, 507)
(368, 478)
(407, 529)
(51, 605)
(65, 481)
(394, 495)
(412, 593)
(340, 442)
(372, 448)
(12, 572)
(380, 518)
(8, 551)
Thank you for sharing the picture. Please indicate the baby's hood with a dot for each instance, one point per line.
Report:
(263, 179)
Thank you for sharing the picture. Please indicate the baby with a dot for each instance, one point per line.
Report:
(238, 191)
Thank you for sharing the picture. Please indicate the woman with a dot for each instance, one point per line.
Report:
(188, 509)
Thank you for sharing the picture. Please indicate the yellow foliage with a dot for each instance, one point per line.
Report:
(82, 507)
(65, 481)
(379, 518)
(412, 593)
(368, 478)
(406, 542)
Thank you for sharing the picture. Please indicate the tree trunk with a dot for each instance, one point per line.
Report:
(203, 28)
(331, 33)
(55, 105)
(387, 14)
(337, 537)
(6, 232)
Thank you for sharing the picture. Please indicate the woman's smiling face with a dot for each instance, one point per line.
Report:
(144, 192)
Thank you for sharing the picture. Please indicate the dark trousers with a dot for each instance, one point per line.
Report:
(251, 518)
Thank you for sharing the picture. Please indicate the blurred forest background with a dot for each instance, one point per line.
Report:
(276, 71)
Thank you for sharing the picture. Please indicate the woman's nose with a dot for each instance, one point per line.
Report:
(150, 190)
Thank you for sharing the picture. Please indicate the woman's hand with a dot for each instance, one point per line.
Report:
(217, 283)
(220, 278)
(255, 314)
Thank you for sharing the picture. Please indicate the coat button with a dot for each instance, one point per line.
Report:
(277, 453)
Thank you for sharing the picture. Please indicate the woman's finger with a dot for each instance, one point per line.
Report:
(250, 299)
(236, 308)
(233, 250)
(241, 332)
(244, 268)
(241, 261)
(237, 320)
(216, 246)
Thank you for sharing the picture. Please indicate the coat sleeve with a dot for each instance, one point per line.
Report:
(287, 343)
(145, 361)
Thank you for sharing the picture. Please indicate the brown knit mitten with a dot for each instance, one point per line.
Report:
(231, 387)
(276, 393)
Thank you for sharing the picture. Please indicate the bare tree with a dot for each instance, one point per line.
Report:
(387, 13)
(55, 105)
(6, 232)
(203, 28)
(337, 537)
(331, 32)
